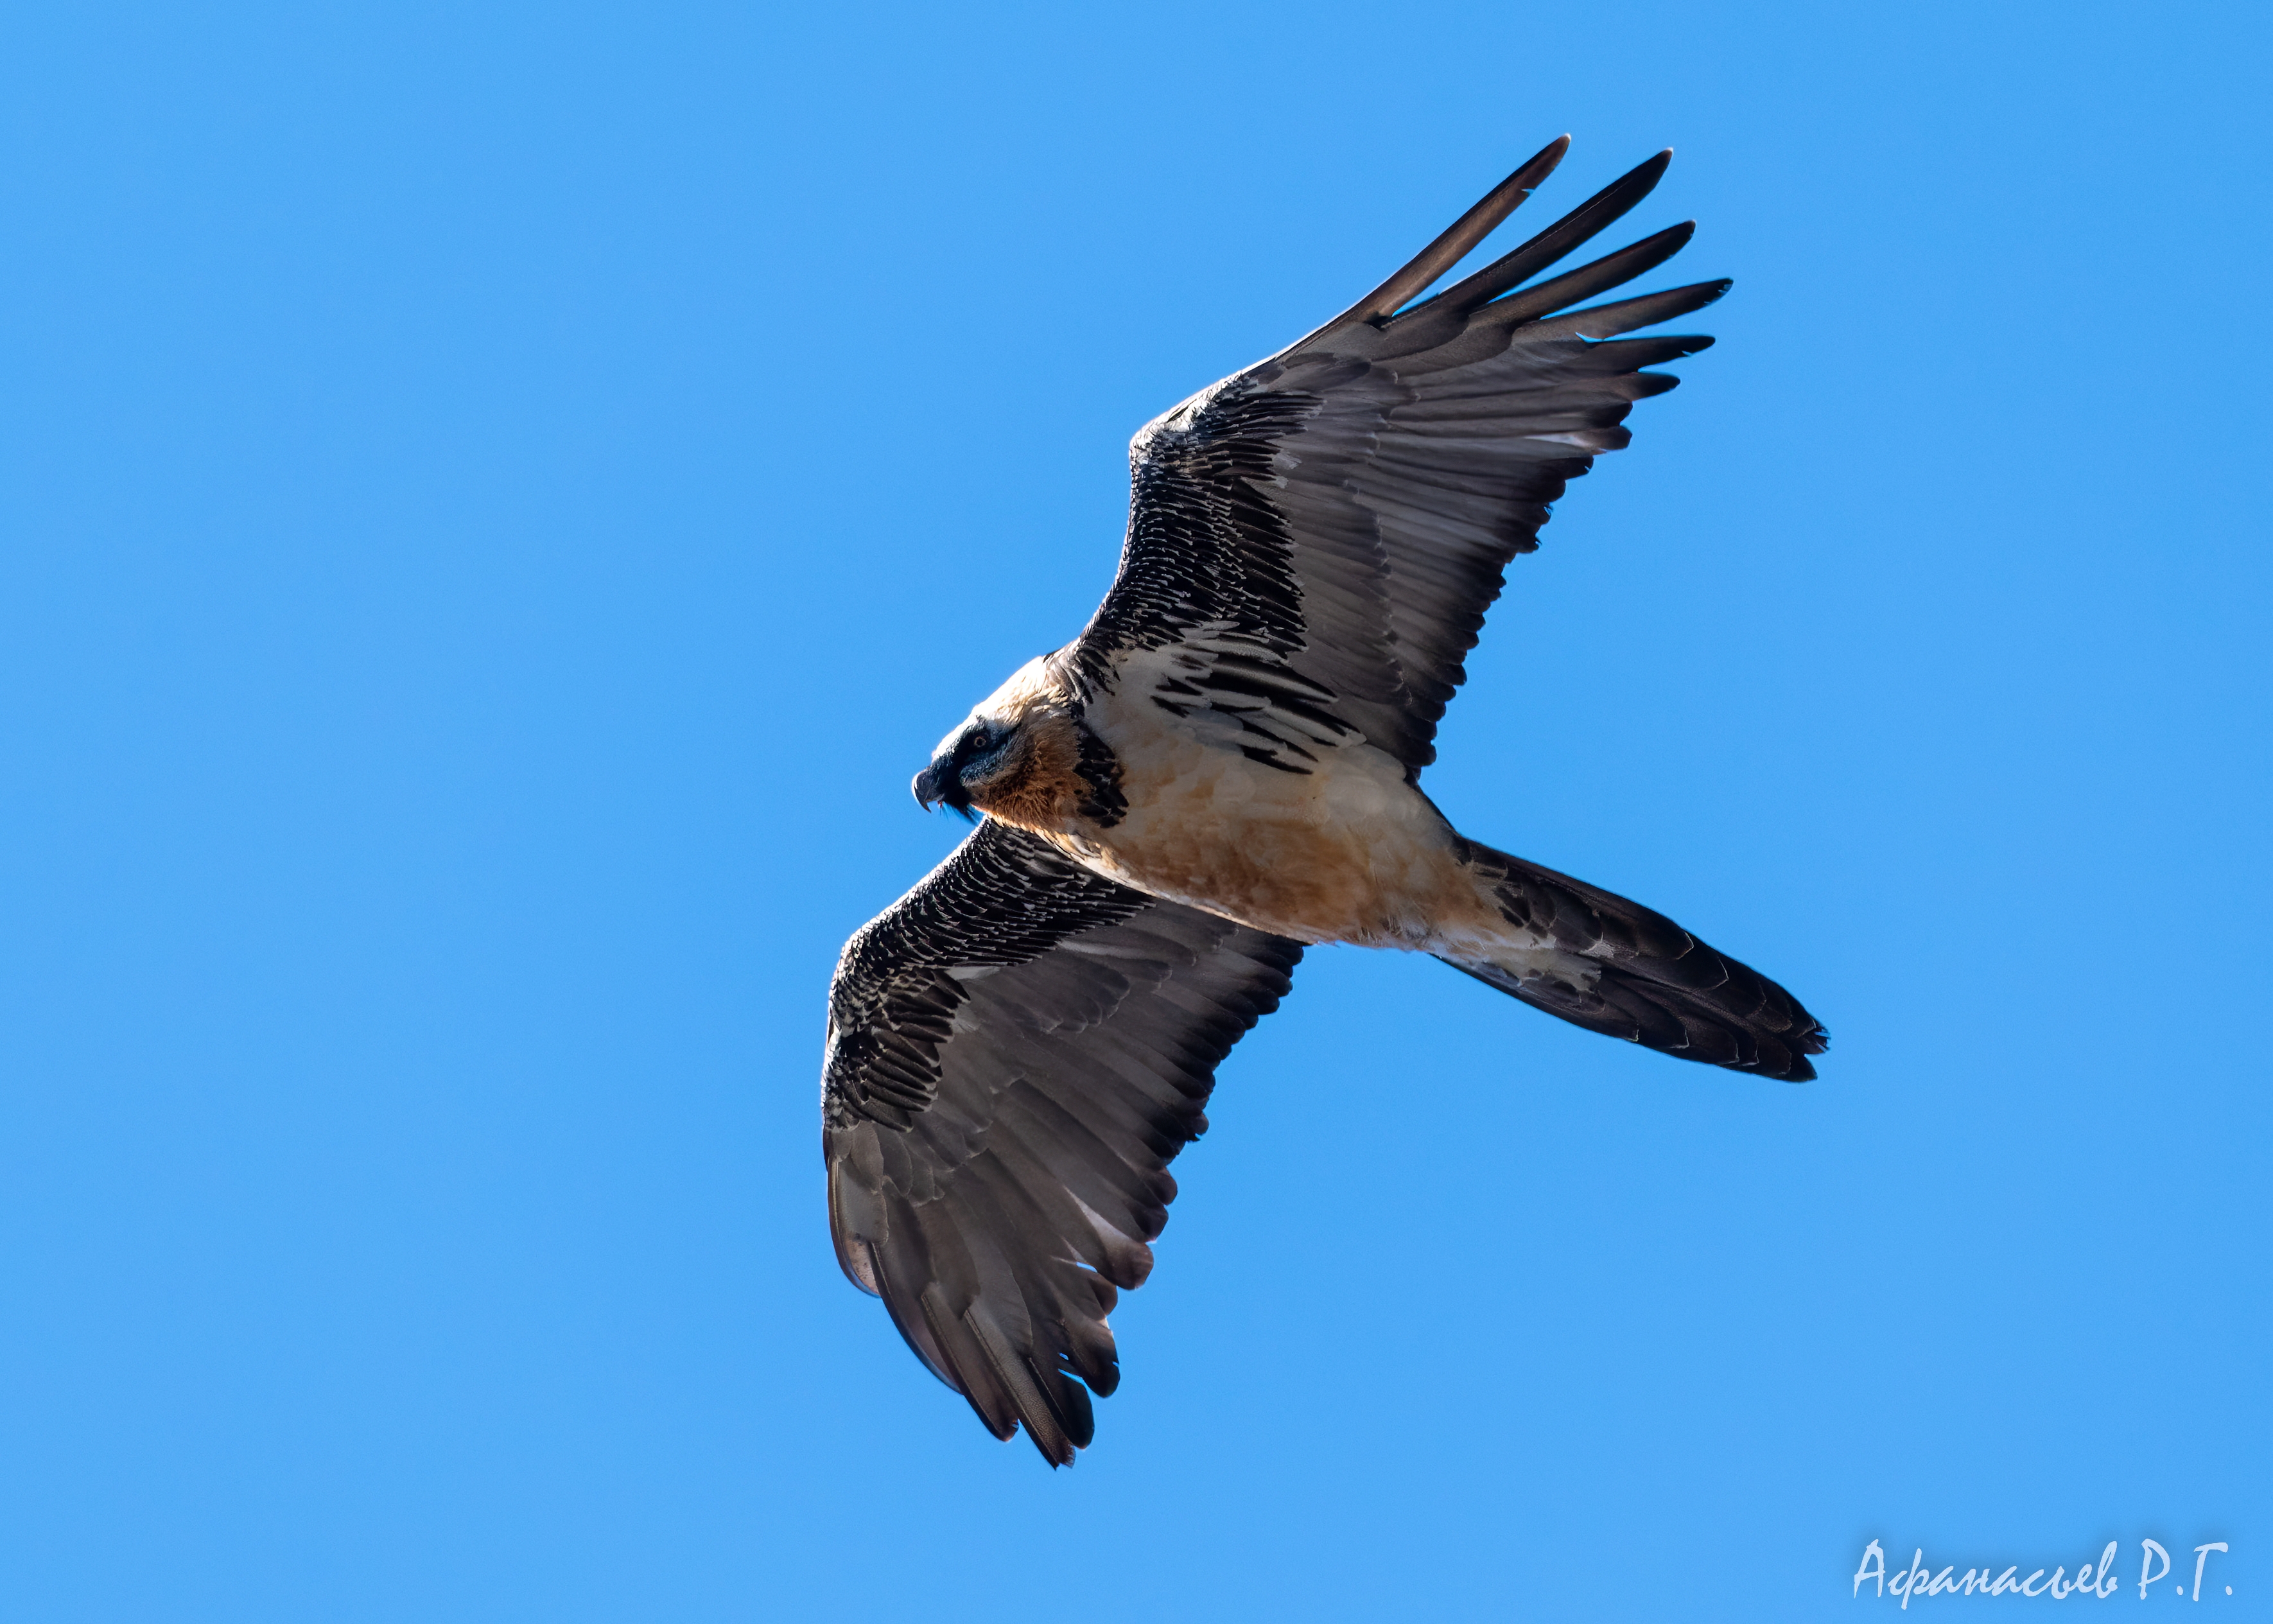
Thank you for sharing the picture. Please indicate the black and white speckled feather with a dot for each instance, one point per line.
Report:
(1016, 1051)
(1343, 511)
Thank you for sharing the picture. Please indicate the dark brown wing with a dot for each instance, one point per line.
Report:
(1317, 538)
(1017, 1049)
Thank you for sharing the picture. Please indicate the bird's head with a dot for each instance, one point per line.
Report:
(1015, 757)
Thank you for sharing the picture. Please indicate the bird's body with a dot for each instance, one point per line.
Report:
(1347, 849)
(1222, 769)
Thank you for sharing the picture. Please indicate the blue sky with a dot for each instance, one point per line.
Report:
(497, 502)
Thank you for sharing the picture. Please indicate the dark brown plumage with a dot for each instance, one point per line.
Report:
(1224, 767)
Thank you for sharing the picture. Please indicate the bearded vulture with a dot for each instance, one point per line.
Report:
(1223, 768)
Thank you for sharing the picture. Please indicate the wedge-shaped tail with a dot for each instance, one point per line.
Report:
(1614, 967)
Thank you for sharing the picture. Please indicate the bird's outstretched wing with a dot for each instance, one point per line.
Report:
(1018, 1049)
(1313, 542)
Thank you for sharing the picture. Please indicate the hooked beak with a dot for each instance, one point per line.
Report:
(941, 783)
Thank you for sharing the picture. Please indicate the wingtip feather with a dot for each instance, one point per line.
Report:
(1453, 244)
(1596, 214)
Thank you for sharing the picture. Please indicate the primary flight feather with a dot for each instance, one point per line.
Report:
(1224, 768)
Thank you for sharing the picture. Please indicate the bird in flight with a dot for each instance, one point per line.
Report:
(1222, 769)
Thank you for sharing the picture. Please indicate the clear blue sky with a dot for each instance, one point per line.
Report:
(497, 502)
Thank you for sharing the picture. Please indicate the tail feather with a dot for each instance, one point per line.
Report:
(1599, 961)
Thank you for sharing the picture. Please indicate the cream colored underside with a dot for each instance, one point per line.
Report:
(1348, 852)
